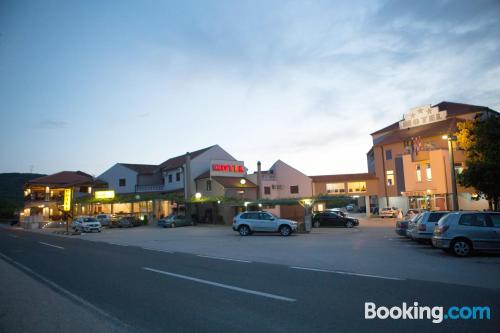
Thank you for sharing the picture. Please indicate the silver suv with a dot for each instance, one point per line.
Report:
(248, 222)
(463, 232)
(424, 226)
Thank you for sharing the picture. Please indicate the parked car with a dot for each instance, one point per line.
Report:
(388, 212)
(465, 232)
(105, 219)
(248, 222)
(86, 224)
(402, 226)
(425, 224)
(333, 219)
(349, 207)
(173, 221)
(126, 222)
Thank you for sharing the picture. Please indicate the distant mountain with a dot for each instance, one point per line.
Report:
(11, 190)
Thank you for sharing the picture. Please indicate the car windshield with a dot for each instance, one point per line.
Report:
(414, 218)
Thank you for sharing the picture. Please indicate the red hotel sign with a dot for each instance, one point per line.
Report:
(228, 168)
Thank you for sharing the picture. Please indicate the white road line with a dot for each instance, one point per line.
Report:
(13, 236)
(159, 250)
(65, 292)
(222, 258)
(346, 273)
(221, 285)
(58, 247)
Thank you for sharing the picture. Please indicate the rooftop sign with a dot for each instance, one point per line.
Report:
(422, 115)
(227, 168)
(104, 194)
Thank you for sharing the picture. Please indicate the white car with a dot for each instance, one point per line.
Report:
(248, 222)
(388, 212)
(86, 224)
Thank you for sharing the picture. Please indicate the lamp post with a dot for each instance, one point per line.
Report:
(454, 199)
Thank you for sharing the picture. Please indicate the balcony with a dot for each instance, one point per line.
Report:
(149, 188)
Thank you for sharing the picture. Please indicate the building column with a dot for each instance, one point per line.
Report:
(368, 206)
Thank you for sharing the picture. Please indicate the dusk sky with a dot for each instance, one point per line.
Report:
(86, 84)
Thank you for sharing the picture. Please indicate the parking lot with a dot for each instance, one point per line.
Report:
(373, 248)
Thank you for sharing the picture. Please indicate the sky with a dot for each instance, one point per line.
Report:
(87, 84)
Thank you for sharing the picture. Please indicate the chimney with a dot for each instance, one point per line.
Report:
(259, 180)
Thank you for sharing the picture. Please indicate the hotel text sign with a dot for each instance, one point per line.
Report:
(67, 200)
(422, 116)
(104, 194)
(227, 168)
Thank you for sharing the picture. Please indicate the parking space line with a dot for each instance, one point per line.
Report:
(221, 285)
(222, 258)
(347, 273)
(58, 247)
(159, 250)
(13, 236)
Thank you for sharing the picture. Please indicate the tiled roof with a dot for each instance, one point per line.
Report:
(206, 174)
(66, 178)
(233, 182)
(343, 177)
(143, 169)
(453, 109)
(178, 161)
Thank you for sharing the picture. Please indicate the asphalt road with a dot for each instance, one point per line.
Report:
(152, 291)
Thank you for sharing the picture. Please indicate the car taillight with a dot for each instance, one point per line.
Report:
(421, 227)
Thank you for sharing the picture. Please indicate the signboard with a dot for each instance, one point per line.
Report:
(67, 200)
(422, 115)
(227, 168)
(104, 194)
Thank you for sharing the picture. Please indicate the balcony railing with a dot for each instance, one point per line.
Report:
(149, 188)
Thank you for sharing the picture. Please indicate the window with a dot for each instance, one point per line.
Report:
(252, 216)
(428, 172)
(356, 187)
(390, 177)
(388, 154)
(265, 216)
(267, 190)
(294, 189)
(419, 173)
(434, 217)
(473, 220)
(178, 177)
(244, 216)
(335, 188)
(209, 185)
(122, 182)
(277, 187)
(169, 178)
(495, 219)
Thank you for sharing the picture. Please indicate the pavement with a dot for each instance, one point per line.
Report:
(372, 248)
(151, 290)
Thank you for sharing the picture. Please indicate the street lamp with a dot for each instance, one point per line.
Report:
(197, 195)
(454, 199)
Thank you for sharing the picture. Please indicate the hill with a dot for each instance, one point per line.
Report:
(11, 191)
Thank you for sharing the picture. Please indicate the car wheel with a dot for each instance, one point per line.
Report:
(285, 230)
(244, 230)
(172, 225)
(349, 224)
(461, 247)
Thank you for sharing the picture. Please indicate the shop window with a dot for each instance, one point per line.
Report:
(419, 173)
(335, 188)
(356, 187)
(122, 182)
(169, 178)
(390, 177)
(294, 189)
(428, 172)
(267, 190)
(178, 177)
(209, 185)
(388, 154)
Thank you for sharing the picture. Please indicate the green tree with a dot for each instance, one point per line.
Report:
(480, 138)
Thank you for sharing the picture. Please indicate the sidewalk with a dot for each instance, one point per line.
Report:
(28, 305)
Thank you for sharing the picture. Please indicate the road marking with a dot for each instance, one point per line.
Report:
(13, 236)
(117, 244)
(221, 285)
(58, 247)
(222, 258)
(159, 250)
(65, 292)
(347, 273)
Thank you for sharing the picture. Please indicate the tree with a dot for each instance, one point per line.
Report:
(480, 138)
